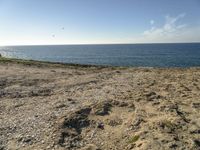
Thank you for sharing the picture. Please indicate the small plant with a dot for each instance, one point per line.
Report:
(134, 139)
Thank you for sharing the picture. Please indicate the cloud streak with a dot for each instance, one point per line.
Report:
(169, 26)
(170, 31)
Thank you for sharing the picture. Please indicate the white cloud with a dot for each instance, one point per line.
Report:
(170, 31)
(168, 27)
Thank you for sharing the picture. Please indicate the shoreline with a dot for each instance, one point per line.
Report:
(37, 62)
(62, 64)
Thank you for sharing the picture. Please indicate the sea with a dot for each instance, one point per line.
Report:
(136, 55)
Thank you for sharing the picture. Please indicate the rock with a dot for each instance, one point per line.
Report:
(26, 140)
(53, 71)
(102, 108)
(100, 125)
(90, 147)
(173, 146)
(155, 103)
(119, 103)
(70, 99)
(115, 103)
(197, 131)
(114, 121)
(60, 106)
(136, 123)
(132, 106)
(130, 146)
(2, 147)
(123, 104)
(196, 105)
(167, 126)
(197, 143)
(42, 141)
(169, 108)
(151, 96)
(40, 92)
(194, 129)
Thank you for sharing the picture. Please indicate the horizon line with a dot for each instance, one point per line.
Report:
(101, 44)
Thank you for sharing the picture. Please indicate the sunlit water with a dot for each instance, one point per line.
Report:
(143, 55)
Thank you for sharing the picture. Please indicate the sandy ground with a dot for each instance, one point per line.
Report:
(94, 108)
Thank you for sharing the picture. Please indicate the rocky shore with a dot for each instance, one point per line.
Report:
(70, 107)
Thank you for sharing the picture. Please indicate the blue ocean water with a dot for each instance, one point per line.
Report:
(142, 55)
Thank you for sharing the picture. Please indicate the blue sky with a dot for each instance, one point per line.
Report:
(32, 22)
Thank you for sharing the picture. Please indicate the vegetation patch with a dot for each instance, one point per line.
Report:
(134, 139)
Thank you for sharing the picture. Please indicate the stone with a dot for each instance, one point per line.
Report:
(90, 147)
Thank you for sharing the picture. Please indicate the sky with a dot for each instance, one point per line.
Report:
(49, 22)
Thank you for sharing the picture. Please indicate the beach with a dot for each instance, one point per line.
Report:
(65, 106)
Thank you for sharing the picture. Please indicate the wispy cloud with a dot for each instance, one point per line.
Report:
(152, 22)
(169, 27)
(170, 31)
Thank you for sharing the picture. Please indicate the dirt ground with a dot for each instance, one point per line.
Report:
(59, 107)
